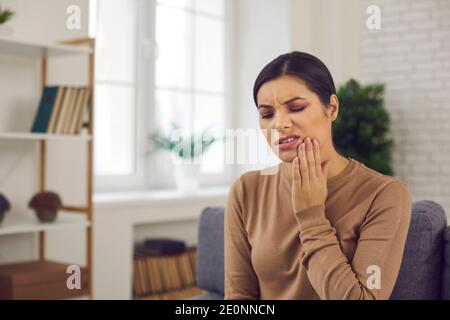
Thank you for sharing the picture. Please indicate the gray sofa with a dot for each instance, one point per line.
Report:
(424, 273)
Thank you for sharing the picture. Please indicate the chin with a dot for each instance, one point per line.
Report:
(287, 156)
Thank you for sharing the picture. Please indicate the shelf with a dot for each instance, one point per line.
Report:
(38, 49)
(77, 218)
(43, 136)
(17, 224)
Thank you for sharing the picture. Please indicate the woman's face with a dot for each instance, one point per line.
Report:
(288, 108)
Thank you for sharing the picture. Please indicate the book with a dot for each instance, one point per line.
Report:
(76, 111)
(68, 111)
(56, 109)
(174, 272)
(137, 287)
(82, 113)
(70, 120)
(186, 269)
(153, 275)
(65, 107)
(163, 275)
(44, 113)
(166, 275)
(163, 246)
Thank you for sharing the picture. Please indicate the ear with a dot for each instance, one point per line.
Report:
(333, 107)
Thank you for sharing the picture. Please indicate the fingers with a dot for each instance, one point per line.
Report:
(296, 178)
(304, 172)
(310, 159)
(316, 150)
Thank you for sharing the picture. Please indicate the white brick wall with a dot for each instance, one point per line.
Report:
(411, 56)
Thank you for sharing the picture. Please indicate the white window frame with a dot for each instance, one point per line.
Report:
(145, 119)
(136, 180)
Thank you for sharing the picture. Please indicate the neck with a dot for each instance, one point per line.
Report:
(338, 164)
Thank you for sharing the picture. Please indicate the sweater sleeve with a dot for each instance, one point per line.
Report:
(374, 268)
(241, 282)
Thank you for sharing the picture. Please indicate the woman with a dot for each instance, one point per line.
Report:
(323, 226)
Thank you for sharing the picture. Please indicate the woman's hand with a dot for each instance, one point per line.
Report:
(309, 178)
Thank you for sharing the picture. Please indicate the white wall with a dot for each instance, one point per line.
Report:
(411, 55)
(329, 30)
(20, 89)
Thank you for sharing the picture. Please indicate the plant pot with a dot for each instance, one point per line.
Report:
(187, 177)
(45, 215)
(5, 31)
(46, 205)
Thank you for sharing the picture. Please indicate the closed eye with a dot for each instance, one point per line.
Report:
(269, 115)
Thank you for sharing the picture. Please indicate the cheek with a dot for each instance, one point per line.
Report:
(265, 129)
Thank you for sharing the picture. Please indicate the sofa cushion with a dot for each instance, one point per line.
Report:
(420, 275)
(208, 296)
(210, 250)
(446, 275)
(421, 271)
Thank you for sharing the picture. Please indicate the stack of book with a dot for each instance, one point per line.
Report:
(164, 276)
(62, 110)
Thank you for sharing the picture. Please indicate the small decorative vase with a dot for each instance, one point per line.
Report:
(4, 207)
(46, 205)
(46, 215)
(187, 176)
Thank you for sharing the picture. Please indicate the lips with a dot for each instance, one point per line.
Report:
(288, 142)
(287, 139)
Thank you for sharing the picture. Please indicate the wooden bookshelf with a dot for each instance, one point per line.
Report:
(43, 136)
(70, 216)
(15, 224)
(30, 48)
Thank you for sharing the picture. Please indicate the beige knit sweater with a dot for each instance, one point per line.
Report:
(349, 248)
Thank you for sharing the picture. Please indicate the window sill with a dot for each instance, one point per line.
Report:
(148, 198)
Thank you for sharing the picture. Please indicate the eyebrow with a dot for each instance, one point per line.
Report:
(286, 102)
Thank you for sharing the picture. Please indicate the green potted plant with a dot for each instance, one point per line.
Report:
(187, 150)
(5, 16)
(361, 131)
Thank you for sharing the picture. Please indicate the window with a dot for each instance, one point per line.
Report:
(157, 63)
(190, 69)
(116, 110)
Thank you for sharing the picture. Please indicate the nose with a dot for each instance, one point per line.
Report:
(282, 121)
